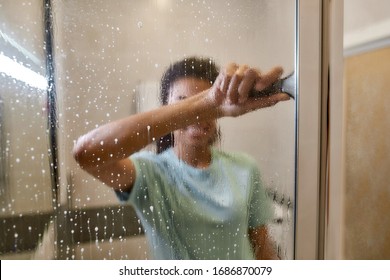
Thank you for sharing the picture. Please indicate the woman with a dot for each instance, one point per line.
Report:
(194, 201)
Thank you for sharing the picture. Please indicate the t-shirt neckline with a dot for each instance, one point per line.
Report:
(192, 168)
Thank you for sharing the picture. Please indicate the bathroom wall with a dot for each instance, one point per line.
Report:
(367, 187)
(367, 120)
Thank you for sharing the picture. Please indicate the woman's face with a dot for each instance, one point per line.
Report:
(201, 133)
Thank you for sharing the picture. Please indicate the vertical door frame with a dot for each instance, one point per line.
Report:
(319, 141)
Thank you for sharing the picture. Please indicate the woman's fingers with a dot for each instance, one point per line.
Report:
(227, 75)
(235, 83)
(250, 76)
(233, 94)
(266, 79)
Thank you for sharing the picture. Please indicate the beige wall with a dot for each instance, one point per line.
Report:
(367, 187)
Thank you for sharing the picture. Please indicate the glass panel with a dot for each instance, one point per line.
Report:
(25, 181)
(110, 57)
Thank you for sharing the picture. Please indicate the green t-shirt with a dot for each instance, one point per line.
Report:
(191, 213)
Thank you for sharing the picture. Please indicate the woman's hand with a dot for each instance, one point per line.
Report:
(232, 87)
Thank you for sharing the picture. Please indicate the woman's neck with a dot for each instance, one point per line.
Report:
(198, 157)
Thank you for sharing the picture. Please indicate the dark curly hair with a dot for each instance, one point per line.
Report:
(194, 67)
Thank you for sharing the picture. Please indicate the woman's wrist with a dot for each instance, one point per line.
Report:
(209, 107)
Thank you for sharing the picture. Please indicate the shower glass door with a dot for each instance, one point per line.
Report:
(109, 59)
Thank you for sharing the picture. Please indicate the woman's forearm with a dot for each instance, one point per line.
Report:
(121, 138)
